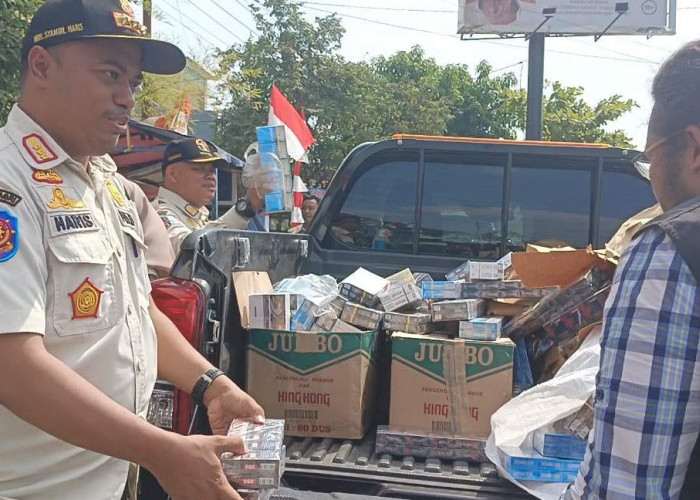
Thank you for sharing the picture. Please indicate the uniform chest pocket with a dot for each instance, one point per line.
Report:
(82, 271)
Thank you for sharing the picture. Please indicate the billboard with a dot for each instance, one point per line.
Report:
(584, 17)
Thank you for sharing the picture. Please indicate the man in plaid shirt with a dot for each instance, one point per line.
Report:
(647, 400)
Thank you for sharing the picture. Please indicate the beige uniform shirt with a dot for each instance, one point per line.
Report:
(159, 254)
(181, 218)
(73, 268)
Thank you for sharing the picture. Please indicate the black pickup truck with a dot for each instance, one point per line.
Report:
(420, 202)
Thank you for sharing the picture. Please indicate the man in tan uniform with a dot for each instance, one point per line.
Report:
(81, 341)
(189, 184)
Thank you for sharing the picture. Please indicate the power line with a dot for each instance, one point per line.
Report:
(507, 67)
(198, 35)
(233, 17)
(217, 22)
(629, 58)
(364, 7)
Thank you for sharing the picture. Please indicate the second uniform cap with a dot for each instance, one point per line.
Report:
(190, 150)
(60, 21)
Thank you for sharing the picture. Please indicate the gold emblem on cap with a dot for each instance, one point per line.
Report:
(126, 7)
(202, 145)
(60, 200)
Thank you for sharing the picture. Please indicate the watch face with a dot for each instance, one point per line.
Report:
(241, 205)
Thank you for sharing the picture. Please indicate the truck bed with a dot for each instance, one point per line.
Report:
(335, 465)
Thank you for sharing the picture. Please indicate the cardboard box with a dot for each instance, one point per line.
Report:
(245, 284)
(410, 323)
(403, 442)
(363, 287)
(341, 326)
(269, 310)
(441, 289)
(458, 310)
(397, 297)
(481, 329)
(475, 271)
(444, 385)
(322, 384)
(579, 423)
(564, 446)
(362, 317)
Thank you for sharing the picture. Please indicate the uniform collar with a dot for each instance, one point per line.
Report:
(39, 149)
(181, 203)
(35, 145)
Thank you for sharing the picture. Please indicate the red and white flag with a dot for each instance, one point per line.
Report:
(299, 138)
(297, 132)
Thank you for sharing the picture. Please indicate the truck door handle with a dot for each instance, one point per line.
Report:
(243, 252)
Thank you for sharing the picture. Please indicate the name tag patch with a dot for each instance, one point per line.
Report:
(127, 219)
(74, 222)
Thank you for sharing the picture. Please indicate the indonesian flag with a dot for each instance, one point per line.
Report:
(297, 132)
(299, 138)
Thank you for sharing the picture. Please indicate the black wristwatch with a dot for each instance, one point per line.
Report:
(203, 384)
(244, 209)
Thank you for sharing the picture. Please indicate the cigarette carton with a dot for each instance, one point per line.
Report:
(457, 310)
(269, 310)
(481, 329)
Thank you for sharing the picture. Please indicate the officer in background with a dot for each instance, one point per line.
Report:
(189, 184)
(81, 341)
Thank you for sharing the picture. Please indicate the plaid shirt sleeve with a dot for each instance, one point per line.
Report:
(647, 400)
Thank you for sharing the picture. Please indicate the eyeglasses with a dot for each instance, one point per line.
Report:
(642, 162)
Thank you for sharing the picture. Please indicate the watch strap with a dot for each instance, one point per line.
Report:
(203, 384)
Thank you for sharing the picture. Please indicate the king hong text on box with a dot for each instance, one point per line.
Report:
(449, 385)
(321, 383)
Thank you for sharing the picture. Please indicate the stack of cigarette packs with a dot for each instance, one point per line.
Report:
(440, 290)
(418, 323)
(528, 465)
(477, 271)
(400, 296)
(363, 287)
(262, 467)
(362, 317)
(481, 328)
(269, 311)
(400, 442)
(509, 289)
(458, 310)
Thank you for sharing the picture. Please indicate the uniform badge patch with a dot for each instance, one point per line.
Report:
(9, 235)
(38, 149)
(9, 198)
(86, 300)
(114, 192)
(166, 222)
(191, 210)
(47, 176)
(61, 200)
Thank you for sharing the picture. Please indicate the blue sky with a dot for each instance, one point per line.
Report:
(615, 64)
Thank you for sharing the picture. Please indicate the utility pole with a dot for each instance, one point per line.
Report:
(535, 87)
(147, 15)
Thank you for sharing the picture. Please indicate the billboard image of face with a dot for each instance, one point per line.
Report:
(569, 17)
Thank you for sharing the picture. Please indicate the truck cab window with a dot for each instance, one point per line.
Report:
(379, 211)
(462, 206)
(549, 206)
(623, 195)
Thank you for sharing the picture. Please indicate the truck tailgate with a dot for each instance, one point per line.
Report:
(335, 465)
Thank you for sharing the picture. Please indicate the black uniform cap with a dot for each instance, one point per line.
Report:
(192, 151)
(60, 21)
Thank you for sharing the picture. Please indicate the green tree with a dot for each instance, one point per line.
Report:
(14, 20)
